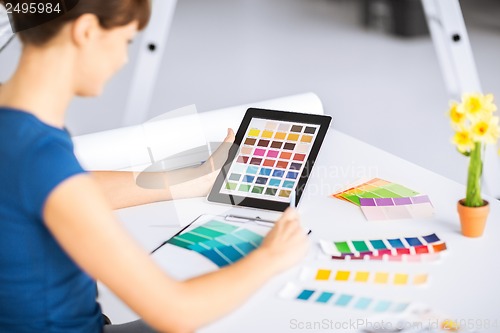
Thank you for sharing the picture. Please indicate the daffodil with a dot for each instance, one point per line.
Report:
(463, 140)
(485, 130)
(456, 114)
(477, 105)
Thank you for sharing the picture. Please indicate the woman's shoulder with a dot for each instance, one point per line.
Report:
(22, 129)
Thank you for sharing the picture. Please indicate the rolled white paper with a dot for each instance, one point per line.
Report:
(143, 144)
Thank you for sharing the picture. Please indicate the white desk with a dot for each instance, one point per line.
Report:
(464, 284)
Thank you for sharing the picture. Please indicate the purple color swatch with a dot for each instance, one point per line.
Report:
(420, 199)
(384, 202)
(367, 202)
(402, 201)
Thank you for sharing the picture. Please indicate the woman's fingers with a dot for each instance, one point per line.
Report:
(230, 136)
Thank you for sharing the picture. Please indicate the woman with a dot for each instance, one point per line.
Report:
(58, 232)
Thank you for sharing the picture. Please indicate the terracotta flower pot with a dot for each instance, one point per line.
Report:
(473, 219)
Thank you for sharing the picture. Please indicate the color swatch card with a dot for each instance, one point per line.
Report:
(297, 293)
(270, 159)
(218, 241)
(378, 249)
(375, 188)
(380, 277)
(383, 200)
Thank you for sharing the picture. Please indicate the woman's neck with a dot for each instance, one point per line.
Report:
(42, 84)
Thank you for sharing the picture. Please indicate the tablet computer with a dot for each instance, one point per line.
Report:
(272, 157)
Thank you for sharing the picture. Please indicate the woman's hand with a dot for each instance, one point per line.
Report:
(286, 243)
(217, 160)
(210, 169)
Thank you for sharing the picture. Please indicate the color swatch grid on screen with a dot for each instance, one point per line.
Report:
(383, 200)
(219, 242)
(270, 160)
(383, 248)
(312, 295)
(380, 277)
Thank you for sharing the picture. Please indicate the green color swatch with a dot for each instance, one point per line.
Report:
(343, 247)
(376, 188)
(360, 246)
(244, 188)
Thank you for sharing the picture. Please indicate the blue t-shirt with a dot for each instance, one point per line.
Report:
(41, 288)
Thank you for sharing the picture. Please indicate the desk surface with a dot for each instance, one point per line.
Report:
(463, 284)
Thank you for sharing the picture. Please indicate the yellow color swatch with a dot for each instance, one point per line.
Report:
(293, 137)
(280, 136)
(342, 275)
(254, 132)
(267, 134)
(381, 277)
(400, 279)
(420, 279)
(323, 274)
(362, 276)
(306, 138)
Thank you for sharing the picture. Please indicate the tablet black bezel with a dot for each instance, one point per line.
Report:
(314, 119)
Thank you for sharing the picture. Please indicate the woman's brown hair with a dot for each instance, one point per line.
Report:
(111, 14)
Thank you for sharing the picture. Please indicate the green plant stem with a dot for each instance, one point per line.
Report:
(473, 197)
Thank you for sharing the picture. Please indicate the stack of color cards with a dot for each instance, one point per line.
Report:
(383, 200)
(219, 242)
(397, 249)
(379, 277)
(344, 300)
(270, 160)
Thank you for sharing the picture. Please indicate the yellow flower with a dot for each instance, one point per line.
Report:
(486, 130)
(477, 105)
(463, 140)
(456, 114)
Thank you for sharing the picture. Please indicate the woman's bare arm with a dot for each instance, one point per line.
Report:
(126, 189)
(80, 218)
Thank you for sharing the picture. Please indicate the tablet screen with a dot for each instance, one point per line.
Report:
(273, 156)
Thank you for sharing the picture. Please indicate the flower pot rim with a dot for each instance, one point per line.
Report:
(462, 201)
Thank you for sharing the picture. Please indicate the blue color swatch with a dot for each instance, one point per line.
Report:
(324, 297)
(382, 306)
(305, 294)
(343, 300)
(346, 300)
(252, 170)
(221, 243)
(413, 241)
(275, 182)
(363, 303)
(431, 238)
(396, 243)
